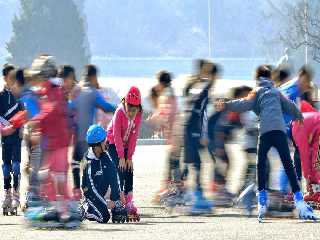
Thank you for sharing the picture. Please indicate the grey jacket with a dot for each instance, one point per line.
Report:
(269, 105)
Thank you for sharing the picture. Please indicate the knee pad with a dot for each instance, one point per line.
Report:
(16, 168)
(6, 169)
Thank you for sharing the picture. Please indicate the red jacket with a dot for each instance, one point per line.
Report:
(124, 132)
(53, 117)
(306, 137)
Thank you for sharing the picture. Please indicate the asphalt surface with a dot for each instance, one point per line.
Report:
(157, 223)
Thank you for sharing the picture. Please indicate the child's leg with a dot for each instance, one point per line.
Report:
(281, 144)
(35, 163)
(264, 145)
(115, 158)
(16, 160)
(7, 165)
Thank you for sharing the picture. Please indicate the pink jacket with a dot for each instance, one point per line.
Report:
(124, 132)
(306, 137)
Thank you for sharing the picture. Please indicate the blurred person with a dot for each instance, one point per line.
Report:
(166, 119)
(269, 104)
(123, 132)
(99, 173)
(23, 91)
(55, 140)
(110, 96)
(197, 94)
(11, 144)
(306, 137)
(221, 131)
(85, 100)
(295, 90)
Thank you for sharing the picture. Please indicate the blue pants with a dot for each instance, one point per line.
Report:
(11, 156)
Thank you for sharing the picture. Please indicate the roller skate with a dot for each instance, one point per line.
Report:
(72, 218)
(133, 215)
(313, 196)
(262, 205)
(201, 205)
(247, 199)
(32, 200)
(45, 218)
(279, 204)
(304, 210)
(15, 202)
(7, 202)
(222, 197)
(119, 213)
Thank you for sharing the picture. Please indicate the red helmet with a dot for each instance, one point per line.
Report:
(133, 97)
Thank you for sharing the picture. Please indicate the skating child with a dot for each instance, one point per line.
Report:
(197, 98)
(123, 132)
(11, 144)
(306, 137)
(22, 89)
(166, 119)
(269, 104)
(52, 121)
(99, 173)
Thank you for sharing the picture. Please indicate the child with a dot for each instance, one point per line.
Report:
(269, 104)
(30, 100)
(197, 98)
(306, 138)
(166, 118)
(56, 138)
(123, 132)
(99, 173)
(11, 144)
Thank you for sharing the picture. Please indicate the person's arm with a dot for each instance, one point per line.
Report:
(241, 105)
(132, 141)
(117, 126)
(290, 108)
(105, 106)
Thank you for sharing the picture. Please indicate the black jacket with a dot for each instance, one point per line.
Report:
(9, 106)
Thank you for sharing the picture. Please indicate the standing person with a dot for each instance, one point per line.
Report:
(85, 100)
(11, 145)
(99, 173)
(194, 130)
(123, 132)
(269, 104)
(166, 119)
(22, 90)
(295, 90)
(56, 137)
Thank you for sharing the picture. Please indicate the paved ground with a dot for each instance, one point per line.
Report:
(156, 223)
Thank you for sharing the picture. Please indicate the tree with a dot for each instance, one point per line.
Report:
(304, 27)
(47, 26)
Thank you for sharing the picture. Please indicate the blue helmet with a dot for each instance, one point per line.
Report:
(96, 134)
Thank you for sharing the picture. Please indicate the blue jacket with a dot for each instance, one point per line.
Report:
(291, 90)
(30, 101)
(85, 104)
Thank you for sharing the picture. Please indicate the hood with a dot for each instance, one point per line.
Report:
(265, 82)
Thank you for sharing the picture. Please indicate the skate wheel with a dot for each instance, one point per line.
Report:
(113, 221)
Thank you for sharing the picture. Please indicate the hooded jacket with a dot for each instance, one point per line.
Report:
(124, 132)
(268, 104)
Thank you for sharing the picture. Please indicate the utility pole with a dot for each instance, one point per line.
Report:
(209, 28)
(306, 30)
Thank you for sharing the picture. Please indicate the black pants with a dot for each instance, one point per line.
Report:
(11, 156)
(126, 177)
(96, 209)
(80, 149)
(278, 140)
